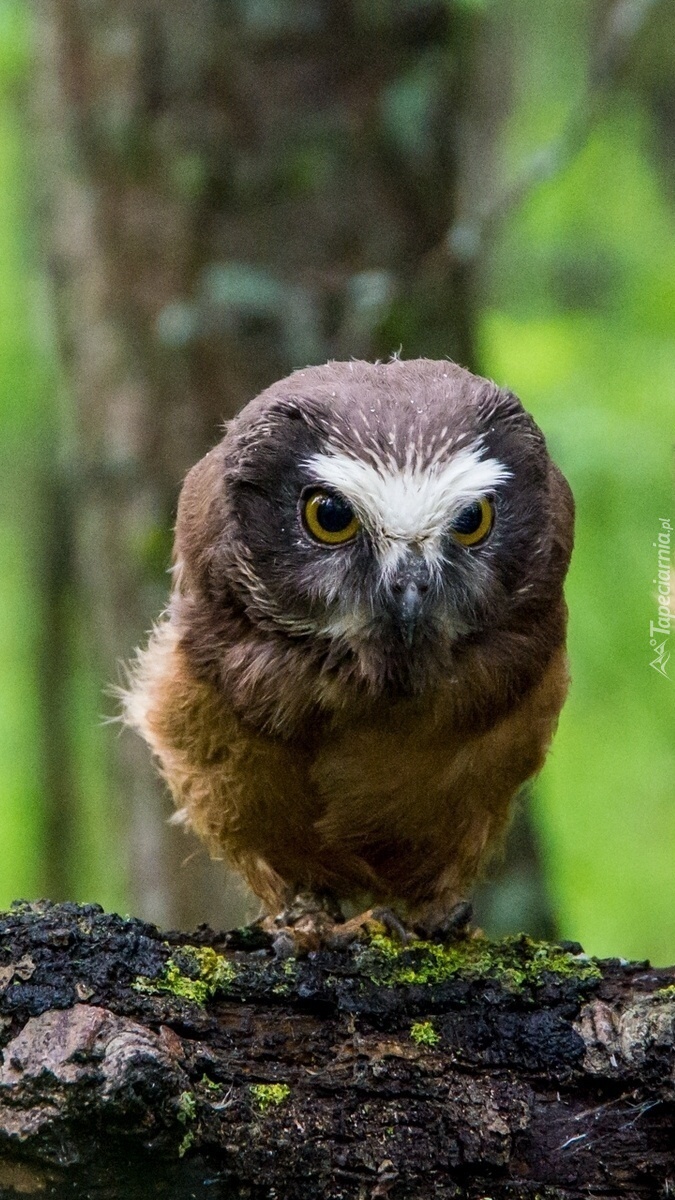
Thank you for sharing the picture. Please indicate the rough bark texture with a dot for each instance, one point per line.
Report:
(138, 1064)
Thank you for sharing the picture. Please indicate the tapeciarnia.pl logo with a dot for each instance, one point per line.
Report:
(660, 630)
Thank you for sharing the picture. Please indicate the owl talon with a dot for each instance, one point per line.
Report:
(394, 927)
(451, 927)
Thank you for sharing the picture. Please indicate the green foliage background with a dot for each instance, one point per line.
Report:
(23, 407)
(578, 319)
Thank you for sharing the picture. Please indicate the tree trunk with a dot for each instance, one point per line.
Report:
(176, 1066)
(227, 192)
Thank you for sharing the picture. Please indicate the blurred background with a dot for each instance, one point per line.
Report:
(198, 197)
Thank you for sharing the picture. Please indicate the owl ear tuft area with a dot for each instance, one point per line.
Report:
(293, 411)
(494, 402)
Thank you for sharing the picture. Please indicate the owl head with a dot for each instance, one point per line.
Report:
(383, 515)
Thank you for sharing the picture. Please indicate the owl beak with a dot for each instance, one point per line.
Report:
(409, 608)
(408, 592)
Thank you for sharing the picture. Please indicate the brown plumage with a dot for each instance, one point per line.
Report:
(350, 708)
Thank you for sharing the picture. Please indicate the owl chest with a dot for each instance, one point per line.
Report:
(389, 775)
(411, 774)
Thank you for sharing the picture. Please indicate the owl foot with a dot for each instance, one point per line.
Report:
(449, 926)
(304, 925)
(311, 922)
(314, 921)
(367, 923)
(307, 914)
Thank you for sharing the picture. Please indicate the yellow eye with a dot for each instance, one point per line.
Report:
(330, 518)
(473, 523)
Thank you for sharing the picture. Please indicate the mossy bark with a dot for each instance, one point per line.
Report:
(138, 1064)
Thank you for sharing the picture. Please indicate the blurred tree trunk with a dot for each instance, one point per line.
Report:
(228, 192)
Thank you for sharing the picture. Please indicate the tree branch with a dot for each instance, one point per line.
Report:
(137, 1065)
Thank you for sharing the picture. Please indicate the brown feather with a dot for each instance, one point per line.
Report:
(293, 755)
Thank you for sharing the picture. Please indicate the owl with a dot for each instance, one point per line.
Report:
(363, 657)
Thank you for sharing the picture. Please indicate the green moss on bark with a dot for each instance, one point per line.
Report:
(193, 973)
(515, 962)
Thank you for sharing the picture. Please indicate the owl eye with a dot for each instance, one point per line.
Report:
(473, 523)
(330, 518)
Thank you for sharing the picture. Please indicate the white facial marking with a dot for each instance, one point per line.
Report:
(351, 624)
(413, 503)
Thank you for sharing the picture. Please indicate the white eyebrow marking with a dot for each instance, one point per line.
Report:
(412, 503)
